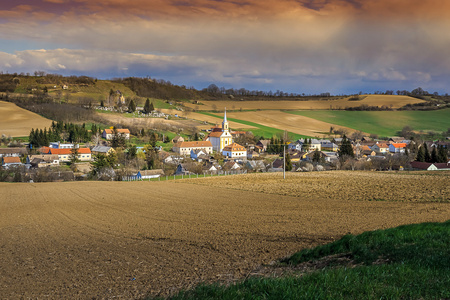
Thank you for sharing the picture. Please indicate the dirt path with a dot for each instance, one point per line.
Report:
(124, 240)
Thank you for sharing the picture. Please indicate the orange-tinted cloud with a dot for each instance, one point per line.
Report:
(344, 41)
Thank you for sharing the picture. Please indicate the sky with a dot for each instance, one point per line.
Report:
(297, 46)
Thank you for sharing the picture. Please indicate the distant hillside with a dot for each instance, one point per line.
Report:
(87, 90)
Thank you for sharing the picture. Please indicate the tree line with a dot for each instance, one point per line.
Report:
(58, 131)
(437, 155)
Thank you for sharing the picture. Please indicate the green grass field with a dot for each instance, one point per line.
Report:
(383, 123)
(407, 262)
(260, 130)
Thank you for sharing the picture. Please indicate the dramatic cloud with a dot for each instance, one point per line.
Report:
(299, 46)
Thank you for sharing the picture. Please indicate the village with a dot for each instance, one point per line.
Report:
(217, 154)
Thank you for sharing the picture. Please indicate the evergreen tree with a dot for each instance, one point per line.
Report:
(74, 154)
(196, 137)
(427, 153)
(131, 106)
(316, 156)
(442, 154)
(99, 162)
(288, 166)
(132, 151)
(152, 107)
(147, 107)
(434, 155)
(421, 154)
(45, 141)
(32, 139)
(41, 138)
(346, 148)
(102, 104)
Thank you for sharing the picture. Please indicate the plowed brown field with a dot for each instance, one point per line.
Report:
(124, 240)
(293, 123)
(16, 121)
(393, 101)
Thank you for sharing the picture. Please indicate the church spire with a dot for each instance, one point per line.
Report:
(225, 122)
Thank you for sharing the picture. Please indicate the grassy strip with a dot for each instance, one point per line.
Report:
(383, 123)
(407, 262)
(261, 130)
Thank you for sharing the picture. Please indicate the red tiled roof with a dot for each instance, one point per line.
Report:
(11, 159)
(399, 145)
(111, 131)
(382, 145)
(45, 149)
(69, 151)
(234, 147)
(215, 134)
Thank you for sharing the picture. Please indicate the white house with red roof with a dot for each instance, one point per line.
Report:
(109, 133)
(234, 151)
(64, 155)
(10, 161)
(184, 148)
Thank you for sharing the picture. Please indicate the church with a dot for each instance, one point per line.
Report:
(220, 137)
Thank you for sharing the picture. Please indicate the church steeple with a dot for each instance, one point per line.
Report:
(225, 122)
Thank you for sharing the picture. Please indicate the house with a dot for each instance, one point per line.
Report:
(8, 152)
(396, 139)
(263, 144)
(329, 146)
(417, 165)
(196, 153)
(297, 145)
(234, 151)
(366, 151)
(231, 166)
(58, 145)
(165, 157)
(184, 148)
(109, 133)
(237, 134)
(311, 145)
(11, 161)
(177, 139)
(182, 169)
(380, 148)
(397, 147)
(84, 154)
(252, 154)
(330, 156)
(41, 161)
(211, 168)
(310, 155)
(278, 163)
(297, 156)
(105, 150)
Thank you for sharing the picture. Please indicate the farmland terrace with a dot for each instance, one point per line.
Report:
(131, 239)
